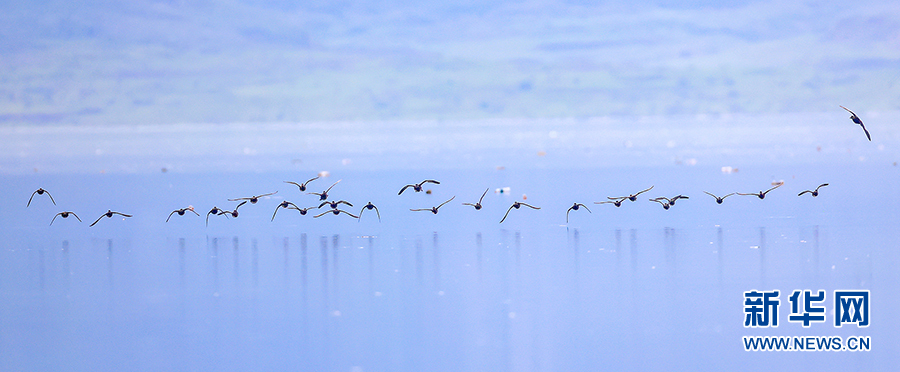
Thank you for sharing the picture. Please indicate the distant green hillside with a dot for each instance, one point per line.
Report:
(255, 61)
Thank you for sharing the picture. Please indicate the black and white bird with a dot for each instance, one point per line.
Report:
(336, 212)
(631, 197)
(418, 186)
(718, 198)
(575, 207)
(370, 206)
(478, 205)
(857, 121)
(109, 213)
(324, 194)
(64, 215)
(302, 186)
(253, 199)
(762, 194)
(40, 191)
(434, 209)
(813, 192)
(181, 212)
(516, 205)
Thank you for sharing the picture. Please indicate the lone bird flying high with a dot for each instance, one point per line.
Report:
(857, 121)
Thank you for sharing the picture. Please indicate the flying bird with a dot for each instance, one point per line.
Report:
(334, 204)
(631, 197)
(284, 204)
(370, 206)
(214, 211)
(516, 205)
(233, 213)
(813, 192)
(434, 209)
(253, 199)
(324, 194)
(181, 212)
(857, 121)
(40, 191)
(762, 194)
(575, 207)
(302, 186)
(478, 205)
(718, 199)
(616, 202)
(64, 215)
(672, 200)
(336, 212)
(417, 187)
(662, 200)
(109, 213)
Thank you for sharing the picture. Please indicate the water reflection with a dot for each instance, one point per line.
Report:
(525, 303)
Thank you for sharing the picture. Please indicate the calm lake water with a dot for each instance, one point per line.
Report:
(635, 287)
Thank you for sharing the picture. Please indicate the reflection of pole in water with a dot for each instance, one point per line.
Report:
(670, 252)
(816, 252)
(286, 250)
(254, 262)
(419, 260)
(762, 256)
(323, 244)
(436, 250)
(67, 273)
(618, 249)
(41, 269)
(335, 245)
(720, 248)
(234, 243)
(214, 258)
(575, 249)
(478, 249)
(371, 265)
(634, 253)
(181, 271)
(518, 247)
(109, 261)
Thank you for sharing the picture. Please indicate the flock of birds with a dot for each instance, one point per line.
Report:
(334, 205)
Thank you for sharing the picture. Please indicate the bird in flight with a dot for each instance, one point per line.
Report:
(631, 197)
(417, 187)
(857, 121)
(672, 200)
(434, 209)
(762, 194)
(616, 202)
(181, 212)
(575, 207)
(334, 204)
(214, 211)
(719, 199)
(233, 213)
(813, 192)
(253, 199)
(64, 215)
(284, 204)
(302, 186)
(324, 194)
(336, 212)
(40, 191)
(109, 213)
(478, 205)
(662, 200)
(370, 206)
(516, 205)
